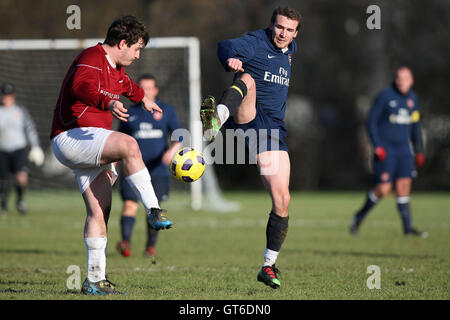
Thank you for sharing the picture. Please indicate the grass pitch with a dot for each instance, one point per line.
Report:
(218, 255)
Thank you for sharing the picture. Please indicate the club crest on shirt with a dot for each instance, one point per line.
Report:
(290, 59)
(393, 103)
(410, 103)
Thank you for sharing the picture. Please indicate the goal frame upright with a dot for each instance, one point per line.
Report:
(192, 44)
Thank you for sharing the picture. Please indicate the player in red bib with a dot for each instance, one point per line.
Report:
(82, 138)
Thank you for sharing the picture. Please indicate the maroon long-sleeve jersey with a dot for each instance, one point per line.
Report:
(89, 85)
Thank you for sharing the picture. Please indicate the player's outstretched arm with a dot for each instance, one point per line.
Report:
(242, 49)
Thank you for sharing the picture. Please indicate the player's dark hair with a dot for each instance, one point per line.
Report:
(147, 76)
(127, 28)
(287, 12)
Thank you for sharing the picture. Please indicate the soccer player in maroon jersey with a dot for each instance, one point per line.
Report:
(82, 138)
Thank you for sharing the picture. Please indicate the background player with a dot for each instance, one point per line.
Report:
(152, 132)
(82, 138)
(256, 101)
(393, 124)
(17, 132)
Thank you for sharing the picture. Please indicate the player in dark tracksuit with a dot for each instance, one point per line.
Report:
(256, 103)
(152, 133)
(394, 128)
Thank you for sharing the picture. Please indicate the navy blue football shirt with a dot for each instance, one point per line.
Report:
(394, 122)
(269, 66)
(152, 132)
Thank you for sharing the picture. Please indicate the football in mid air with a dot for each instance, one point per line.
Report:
(187, 164)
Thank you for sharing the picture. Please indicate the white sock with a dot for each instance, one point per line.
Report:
(372, 196)
(270, 257)
(96, 258)
(403, 200)
(141, 183)
(223, 113)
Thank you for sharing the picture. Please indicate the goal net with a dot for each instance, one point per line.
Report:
(37, 67)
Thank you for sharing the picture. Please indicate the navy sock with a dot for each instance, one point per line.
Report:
(20, 191)
(126, 227)
(371, 201)
(233, 96)
(405, 214)
(152, 236)
(276, 231)
(4, 189)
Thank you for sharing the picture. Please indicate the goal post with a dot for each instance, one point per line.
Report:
(24, 63)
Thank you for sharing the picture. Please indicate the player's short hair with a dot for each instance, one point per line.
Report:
(287, 12)
(147, 76)
(127, 28)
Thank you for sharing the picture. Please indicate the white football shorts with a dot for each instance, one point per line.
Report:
(80, 149)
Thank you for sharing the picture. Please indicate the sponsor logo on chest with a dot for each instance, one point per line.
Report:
(403, 117)
(146, 131)
(280, 78)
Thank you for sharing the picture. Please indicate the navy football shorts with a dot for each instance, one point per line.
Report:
(394, 167)
(12, 162)
(160, 185)
(261, 134)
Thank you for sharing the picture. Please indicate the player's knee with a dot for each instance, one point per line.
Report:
(383, 190)
(281, 201)
(286, 200)
(403, 186)
(22, 178)
(249, 82)
(95, 216)
(129, 208)
(132, 148)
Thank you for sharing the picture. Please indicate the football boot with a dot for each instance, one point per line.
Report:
(416, 233)
(99, 288)
(158, 219)
(210, 119)
(124, 248)
(269, 276)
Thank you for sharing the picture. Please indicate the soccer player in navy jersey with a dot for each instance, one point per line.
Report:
(394, 129)
(152, 133)
(256, 103)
